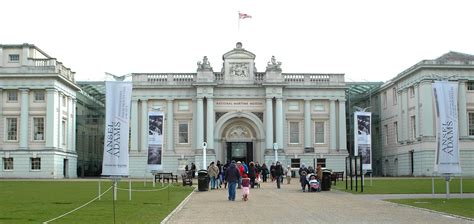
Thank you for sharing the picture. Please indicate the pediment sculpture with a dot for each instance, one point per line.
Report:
(239, 70)
(239, 132)
(205, 65)
(273, 64)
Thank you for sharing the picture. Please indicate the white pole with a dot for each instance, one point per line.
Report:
(129, 189)
(154, 179)
(275, 147)
(447, 186)
(115, 189)
(371, 179)
(99, 188)
(204, 149)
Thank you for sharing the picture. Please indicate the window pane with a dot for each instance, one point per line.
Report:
(14, 57)
(8, 163)
(38, 128)
(12, 96)
(294, 132)
(12, 129)
(319, 132)
(36, 163)
(183, 133)
(471, 124)
(39, 95)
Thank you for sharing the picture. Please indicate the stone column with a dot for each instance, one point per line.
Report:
(73, 120)
(59, 119)
(342, 125)
(200, 123)
(399, 118)
(144, 127)
(405, 118)
(416, 87)
(463, 122)
(69, 122)
(193, 126)
(279, 122)
(307, 124)
(332, 124)
(51, 133)
(170, 126)
(428, 110)
(210, 123)
(269, 123)
(134, 126)
(24, 116)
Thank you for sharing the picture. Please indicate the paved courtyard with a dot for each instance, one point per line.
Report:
(289, 205)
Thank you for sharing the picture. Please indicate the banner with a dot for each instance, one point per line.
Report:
(447, 139)
(362, 138)
(118, 97)
(155, 140)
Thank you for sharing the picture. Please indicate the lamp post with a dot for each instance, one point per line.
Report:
(204, 147)
(275, 148)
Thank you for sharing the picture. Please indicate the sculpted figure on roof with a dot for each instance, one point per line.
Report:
(205, 65)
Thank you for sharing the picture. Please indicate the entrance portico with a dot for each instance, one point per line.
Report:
(240, 136)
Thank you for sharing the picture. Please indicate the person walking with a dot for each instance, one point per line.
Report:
(193, 170)
(278, 173)
(232, 175)
(252, 174)
(245, 187)
(264, 172)
(213, 172)
(288, 175)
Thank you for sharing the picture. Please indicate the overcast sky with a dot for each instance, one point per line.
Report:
(367, 40)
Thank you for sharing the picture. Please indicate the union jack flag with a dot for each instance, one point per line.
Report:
(244, 16)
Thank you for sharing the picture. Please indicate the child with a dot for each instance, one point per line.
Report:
(245, 187)
(303, 180)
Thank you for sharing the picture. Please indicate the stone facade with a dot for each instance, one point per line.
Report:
(240, 109)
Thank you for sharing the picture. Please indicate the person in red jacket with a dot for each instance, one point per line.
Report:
(242, 171)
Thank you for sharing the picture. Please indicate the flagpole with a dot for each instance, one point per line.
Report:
(238, 27)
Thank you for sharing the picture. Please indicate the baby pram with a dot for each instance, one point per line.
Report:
(314, 185)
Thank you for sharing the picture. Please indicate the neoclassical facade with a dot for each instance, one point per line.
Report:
(407, 126)
(37, 115)
(241, 114)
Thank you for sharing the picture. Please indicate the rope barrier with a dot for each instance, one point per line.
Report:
(67, 213)
(127, 189)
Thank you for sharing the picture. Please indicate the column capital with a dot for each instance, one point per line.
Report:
(341, 100)
(169, 99)
(53, 90)
(269, 97)
(307, 99)
(24, 90)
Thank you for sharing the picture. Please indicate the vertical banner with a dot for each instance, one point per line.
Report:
(362, 138)
(447, 139)
(118, 97)
(155, 140)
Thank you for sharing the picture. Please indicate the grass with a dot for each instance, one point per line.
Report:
(461, 207)
(39, 201)
(408, 186)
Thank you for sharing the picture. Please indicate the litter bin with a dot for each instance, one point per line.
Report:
(203, 180)
(326, 181)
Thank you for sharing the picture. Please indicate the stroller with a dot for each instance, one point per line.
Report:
(314, 185)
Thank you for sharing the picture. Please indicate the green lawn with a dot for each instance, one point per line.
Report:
(408, 186)
(39, 201)
(462, 207)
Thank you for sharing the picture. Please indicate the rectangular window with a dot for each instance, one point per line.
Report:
(38, 129)
(385, 127)
(183, 106)
(293, 106)
(12, 129)
(321, 162)
(183, 133)
(12, 96)
(39, 95)
(319, 107)
(319, 130)
(294, 133)
(35, 163)
(413, 127)
(8, 163)
(64, 131)
(394, 92)
(295, 162)
(384, 99)
(470, 85)
(395, 126)
(471, 124)
(14, 58)
(411, 91)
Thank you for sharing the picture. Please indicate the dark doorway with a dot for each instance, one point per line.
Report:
(240, 151)
(65, 168)
(411, 159)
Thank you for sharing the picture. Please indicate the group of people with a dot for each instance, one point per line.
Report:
(310, 178)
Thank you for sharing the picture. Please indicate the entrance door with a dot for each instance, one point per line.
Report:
(240, 151)
(65, 168)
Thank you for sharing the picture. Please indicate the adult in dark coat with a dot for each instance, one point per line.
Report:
(278, 173)
(252, 174)
(264, 172)
(232, 175)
